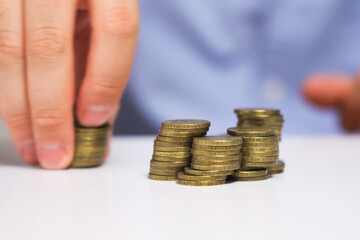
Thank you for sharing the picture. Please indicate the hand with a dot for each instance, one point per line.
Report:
(338, 91)
(47, 63)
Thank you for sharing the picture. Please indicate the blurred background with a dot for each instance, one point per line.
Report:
(201, 59)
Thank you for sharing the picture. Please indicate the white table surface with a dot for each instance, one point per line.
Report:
(318, 197)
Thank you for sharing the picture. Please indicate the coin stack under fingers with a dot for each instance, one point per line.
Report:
(271, 118)
(213, 159)
(90, 146)
(260, 150)
(172, 147)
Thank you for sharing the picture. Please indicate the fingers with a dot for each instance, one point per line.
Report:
(351, 108)
(327, 90)
(113, 42)
(50, 75)
(13, 101)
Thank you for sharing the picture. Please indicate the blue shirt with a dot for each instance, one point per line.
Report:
(203, 58)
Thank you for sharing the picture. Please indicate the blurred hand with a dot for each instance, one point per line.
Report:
(50, 58)
(337, 91)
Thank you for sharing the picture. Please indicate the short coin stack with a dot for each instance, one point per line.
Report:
(90, 146)
(271, 118)
(213, 159)
(172, 147)
(260, 149)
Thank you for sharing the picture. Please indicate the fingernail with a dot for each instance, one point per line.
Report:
(52, 155)
(28, 151)
(94, 116)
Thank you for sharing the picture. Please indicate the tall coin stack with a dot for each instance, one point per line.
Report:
(271, 118)
(260, 150)
(213, 159)
(172, 147)
(90, 146)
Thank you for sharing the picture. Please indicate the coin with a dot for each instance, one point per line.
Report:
(266, 111)
(186, 124)
(215, 153)
(181, 134)
(278, 168)
(172, 149)
(184, 176)
(202, 162)
(167, 168)
(164, 172)
(260, 144)
(172, 154)
(260, 149)
(172, 144)
(250, 172)
(169, 164)
(258, 178)
(260, 159)
(218, 140)
(216, 148)
(215, 167)
(217, 158)
(162, 178)
(260, 154)
(200, 183)
(170, 159)
(191, 171)
(250, 132)
(261, 139)
(257, 164)
(174, 139)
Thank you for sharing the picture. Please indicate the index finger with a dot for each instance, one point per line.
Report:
(113, 43)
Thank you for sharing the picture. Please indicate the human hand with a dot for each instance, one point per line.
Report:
(50, 58)
(338, 91)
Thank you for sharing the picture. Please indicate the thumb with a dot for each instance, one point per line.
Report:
(327, 90)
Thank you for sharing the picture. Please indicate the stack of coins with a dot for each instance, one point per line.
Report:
(260, 148)
(172, 147)
(271, 118)
(90, 146)
(213, 159)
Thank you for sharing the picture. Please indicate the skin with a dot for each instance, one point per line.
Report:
(337, 91)
(51, 57)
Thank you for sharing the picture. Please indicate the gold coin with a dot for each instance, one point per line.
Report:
(172, 149)
(179, 134)
(183, 176)
(164, 172)
(217, 158)
(162, 178)
(186, 124)
(172, 144)
(260, 144)
(214, 153)
(167, 168)
(215, 167)
(258, 178)
(174, 139)
(260, 139)
(169, 164)
(196, 172)
(216, 148)
(172, 154)
(244, 111)
(278, 168)
(184, 131)
(257, 164)
(261, 154)
(200, 183)
(170, 159)
(250, 172)
(260, 159)
(224, 140)
(201, 162)
(251, 132)
(260, 149)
